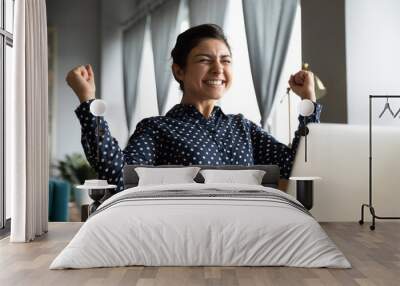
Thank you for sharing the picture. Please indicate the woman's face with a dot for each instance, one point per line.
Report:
(208, 71)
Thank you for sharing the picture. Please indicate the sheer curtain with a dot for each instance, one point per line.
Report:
(268, 25)
(165, 23)
(133, 39)
(207, 11)
(27, 132)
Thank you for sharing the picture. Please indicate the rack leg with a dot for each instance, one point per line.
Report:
(372, 210)
(361, 221)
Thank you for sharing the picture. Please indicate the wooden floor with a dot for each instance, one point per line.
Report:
(375, 256)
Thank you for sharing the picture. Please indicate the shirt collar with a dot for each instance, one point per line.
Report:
(187, 110)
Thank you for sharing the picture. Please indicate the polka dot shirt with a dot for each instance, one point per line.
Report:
(185, 137)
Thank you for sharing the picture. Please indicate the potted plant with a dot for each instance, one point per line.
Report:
(75, 169)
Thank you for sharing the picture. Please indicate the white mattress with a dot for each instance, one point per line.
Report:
(186, 230)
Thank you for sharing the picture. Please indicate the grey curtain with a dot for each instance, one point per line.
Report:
(133, 39)
(207, 11)
(165, 24)
(268, 25)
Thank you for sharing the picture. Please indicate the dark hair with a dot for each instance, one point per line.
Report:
(189, 39)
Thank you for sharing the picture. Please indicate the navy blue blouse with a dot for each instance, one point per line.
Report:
(185, 137)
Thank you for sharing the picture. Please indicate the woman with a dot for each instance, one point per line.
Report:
(196, 131)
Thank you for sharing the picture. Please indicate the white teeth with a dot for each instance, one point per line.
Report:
(214, 82)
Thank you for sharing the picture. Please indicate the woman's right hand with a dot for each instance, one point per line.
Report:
(81, 80)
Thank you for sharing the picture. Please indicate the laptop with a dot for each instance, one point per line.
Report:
(338, 153)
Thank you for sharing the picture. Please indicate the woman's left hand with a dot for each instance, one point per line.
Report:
(302, 83)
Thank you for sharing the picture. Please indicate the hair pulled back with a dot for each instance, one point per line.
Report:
(190, 38)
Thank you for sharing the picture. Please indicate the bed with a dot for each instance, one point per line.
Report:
(198, 224)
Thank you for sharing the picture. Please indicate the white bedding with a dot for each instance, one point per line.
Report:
(182, 230)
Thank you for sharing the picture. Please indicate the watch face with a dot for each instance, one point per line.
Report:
(306, 107)
(98, 107)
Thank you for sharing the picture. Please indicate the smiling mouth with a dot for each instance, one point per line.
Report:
(215, 82)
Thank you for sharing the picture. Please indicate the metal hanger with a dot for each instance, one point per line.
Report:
(387, 107)
(397, 113)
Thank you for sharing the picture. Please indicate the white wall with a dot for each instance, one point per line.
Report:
(372, 55)
(77, 42)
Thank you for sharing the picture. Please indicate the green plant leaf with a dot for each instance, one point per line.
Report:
(75, 169)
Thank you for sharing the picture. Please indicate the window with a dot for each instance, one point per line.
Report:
(241, 98)
(6, 44)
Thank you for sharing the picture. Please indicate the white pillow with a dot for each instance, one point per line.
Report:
(248, 177)
(163, 176)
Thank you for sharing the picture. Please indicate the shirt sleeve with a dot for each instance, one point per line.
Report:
(267, 150)
(111, 159)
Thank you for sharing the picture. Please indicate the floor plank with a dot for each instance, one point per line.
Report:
(375, 257)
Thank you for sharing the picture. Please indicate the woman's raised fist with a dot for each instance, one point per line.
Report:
(81, 80)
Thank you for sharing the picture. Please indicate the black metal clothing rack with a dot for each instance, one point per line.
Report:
(369, 205)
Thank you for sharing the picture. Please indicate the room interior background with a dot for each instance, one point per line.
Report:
(345, 42)
(100, 39)
(351, 45)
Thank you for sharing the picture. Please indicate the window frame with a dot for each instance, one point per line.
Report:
(6, 39)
